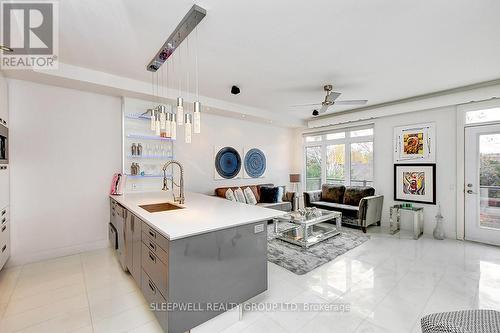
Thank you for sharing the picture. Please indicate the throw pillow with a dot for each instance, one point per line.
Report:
(281, 193)
(354, 194)
(230, 195)
(333, 193)
(240, 197)
(269, 194)
(249, 196)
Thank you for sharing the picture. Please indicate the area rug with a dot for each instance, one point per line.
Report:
(301, 261)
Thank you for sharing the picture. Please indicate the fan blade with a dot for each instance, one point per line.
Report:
(352, 102)
(332, 96)
(292, 106)
(324, 108)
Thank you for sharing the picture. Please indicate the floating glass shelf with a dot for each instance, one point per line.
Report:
(158, 157)
(138, 116)
(147, 137)
(147, 176)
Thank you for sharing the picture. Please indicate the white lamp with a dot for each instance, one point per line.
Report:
(188, 119)
(173, 127)
(180, 110)
(197, 117)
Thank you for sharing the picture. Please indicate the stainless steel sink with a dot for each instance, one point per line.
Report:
(160, 207)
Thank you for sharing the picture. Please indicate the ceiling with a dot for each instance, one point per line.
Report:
(281, 53)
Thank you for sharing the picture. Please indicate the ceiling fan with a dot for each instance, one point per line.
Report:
(331, 99)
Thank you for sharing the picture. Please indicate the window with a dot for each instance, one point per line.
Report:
(363, 132)
(313, 138)
(482, 116)
(362, 163)
(335, 136)
(335, 164)
(339, 158)
(313, 168)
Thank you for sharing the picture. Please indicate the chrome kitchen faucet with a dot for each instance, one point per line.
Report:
(180, 199)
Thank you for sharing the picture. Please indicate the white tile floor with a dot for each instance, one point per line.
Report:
(388, 282)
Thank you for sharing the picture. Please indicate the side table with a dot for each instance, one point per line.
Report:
(413, 221)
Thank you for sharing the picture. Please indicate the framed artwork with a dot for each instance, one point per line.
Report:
(254, 163)
(415, 183)
(228, 163)
(415, 143)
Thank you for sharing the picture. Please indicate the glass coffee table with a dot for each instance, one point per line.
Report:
(309, 230)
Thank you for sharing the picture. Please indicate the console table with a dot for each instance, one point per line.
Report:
(412, 221)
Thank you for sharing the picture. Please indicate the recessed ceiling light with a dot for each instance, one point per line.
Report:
(6, 48)
(243, 115)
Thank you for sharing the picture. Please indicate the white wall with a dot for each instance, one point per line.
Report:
(65, 146)
(198, 156)
(445, 119)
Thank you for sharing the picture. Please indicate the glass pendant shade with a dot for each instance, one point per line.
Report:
(153, 120)
(173, 127)
(188, 120)
(168, 125)
(180, 110)
(163, 116)
(197, 117)
(157, 126)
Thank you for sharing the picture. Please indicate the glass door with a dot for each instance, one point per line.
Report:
(482, 184)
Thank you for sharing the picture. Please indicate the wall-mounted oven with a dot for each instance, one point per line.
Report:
(4, 145)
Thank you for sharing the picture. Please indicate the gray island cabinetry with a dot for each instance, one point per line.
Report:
(190, 280)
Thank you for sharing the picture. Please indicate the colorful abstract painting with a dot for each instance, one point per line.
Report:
(414, 183)
(413, 144)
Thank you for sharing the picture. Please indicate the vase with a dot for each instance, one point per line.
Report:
(438, 230)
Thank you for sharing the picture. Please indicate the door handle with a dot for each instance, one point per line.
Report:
(471, 192)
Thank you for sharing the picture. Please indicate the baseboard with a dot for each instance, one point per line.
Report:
(27, 258)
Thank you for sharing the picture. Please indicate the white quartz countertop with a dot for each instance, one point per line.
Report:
(202, 213)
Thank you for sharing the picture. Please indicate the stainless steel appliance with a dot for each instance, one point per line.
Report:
(117, 232)
(4, 145)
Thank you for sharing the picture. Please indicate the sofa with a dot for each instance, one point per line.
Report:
(359, 205)
(287, 201)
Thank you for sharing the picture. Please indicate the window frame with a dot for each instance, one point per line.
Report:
(346, 141)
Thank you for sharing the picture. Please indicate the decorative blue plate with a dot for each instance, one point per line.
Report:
(228, 162)
(255, 163)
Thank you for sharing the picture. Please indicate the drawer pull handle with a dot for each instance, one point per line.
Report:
(4, 227)
(152, 233)
(4, 248)
(152, 257)
(152, 246)
(3, 220)
(153, 289)
(4, 212)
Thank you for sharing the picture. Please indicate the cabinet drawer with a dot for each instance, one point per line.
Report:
(155, 268)
(155, 235)
(155, 248)
(154, 299)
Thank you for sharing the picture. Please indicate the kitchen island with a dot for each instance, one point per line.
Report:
(193, 261)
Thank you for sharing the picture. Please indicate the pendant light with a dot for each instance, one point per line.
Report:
(152, 119)
(180, 100)
(197, 104)
(163, 116)
(180, 110)
(157, 123)
(188, 120)
(173, 128)
(168, 124)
